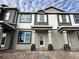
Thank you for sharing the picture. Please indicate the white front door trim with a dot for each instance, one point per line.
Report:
(42, 38)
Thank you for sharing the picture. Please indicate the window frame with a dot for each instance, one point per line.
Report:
(25, 14)
(18, 42)
(67, 21)
(45, 15)
(75, 19)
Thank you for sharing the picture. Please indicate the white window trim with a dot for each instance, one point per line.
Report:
(7, 16)
(38, 18)
(23, 15)
(60, 19)
(67, 18)
(4, 35)
(45, 18)
(43, 39)
(24, 37)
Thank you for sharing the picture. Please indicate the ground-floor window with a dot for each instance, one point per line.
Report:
(24, 37)
(3, 40)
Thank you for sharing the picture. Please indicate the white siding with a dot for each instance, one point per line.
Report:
(53, 21)
(25, 25)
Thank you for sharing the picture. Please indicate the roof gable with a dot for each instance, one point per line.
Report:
(41, 11)
(52, 9)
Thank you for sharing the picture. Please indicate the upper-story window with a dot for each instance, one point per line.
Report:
(76, 18)
(26, 18)
(24, 37)
(64, 19)
(7, 15)
(41, 18)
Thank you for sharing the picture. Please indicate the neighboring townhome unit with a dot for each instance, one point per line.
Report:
(8, 17)
(48, 29)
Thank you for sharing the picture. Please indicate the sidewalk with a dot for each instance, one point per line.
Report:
(39, 55)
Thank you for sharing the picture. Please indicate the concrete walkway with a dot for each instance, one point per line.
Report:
(38, 55)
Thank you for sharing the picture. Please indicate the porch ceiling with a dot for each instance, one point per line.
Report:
(41, 27)
(68, 28)
(6, 26)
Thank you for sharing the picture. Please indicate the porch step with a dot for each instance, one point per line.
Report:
(2, 48)
(41, 49)
(42, 55)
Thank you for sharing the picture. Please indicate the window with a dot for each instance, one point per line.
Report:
(3, 40)
(41, 18)
(26, 18)
(64, 18)
(76, 18)
(24, 37)
(7, 16)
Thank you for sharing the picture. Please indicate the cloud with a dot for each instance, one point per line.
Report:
(35, 5)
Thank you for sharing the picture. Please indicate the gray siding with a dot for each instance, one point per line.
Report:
(7, 41)
(73, 40)
(12, 16)
(57, 40)
(15, 39)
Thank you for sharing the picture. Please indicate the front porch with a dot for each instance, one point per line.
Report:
(70, 37)
(43, 37)
(6, 35)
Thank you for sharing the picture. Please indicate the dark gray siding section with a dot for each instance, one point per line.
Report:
(11, 18)
(7, 43)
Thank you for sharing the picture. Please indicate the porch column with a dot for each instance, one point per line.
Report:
(50, 47)
(66, 44)
(1, 33)
(33, 47)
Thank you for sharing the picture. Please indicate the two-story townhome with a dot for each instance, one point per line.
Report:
(8, 17)
(48, 29)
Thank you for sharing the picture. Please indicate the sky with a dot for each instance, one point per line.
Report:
(35, 5)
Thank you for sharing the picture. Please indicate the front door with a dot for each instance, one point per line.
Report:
(41, 39)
